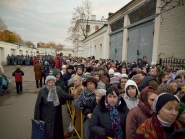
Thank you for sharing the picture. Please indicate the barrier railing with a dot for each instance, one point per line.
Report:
(72, 112)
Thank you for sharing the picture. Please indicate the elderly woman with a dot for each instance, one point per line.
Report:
(108, 118)
(142, 112)
(87, 95)
(163, 123)
(48, 108)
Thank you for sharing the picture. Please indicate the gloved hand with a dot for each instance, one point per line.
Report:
(109, 132)
(81, 106)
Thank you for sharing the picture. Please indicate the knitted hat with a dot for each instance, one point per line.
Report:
(64, 66)
(161, 100)
(70, 67)
(117, 74)
(90, 79)
(181, 110)
(179, 72)
(56, 71)
(18, 66)
(49, 78)
(96, 73)
(111, 71)
(124, 75)
(131, 83)
(114, 80)
(164, 88)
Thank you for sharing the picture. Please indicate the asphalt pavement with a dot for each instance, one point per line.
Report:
(17, 110)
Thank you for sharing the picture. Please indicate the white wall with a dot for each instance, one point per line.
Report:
(8, 48)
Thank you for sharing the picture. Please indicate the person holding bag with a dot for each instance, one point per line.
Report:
(48, 108)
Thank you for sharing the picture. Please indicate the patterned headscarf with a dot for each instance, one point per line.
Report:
(115, 120)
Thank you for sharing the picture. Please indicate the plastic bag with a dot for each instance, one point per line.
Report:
(68, 131)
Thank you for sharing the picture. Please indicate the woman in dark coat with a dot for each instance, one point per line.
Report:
(108, 118)
(48, 108)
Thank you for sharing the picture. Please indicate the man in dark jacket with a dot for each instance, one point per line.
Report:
(18, 73)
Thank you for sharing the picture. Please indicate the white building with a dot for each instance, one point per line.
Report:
(14, 49)
(92, 26)
(66, 51)
(96, 44)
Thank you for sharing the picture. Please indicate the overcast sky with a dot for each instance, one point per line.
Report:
(48, 20)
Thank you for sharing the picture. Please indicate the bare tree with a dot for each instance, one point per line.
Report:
(167, 5)
(79, 21)
(3, 27)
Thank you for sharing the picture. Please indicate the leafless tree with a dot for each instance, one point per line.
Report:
(3, 27)
(167, 5)
(79, 21)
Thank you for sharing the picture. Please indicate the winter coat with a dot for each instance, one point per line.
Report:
(45, 70)
(101, 118)
(66, 77)
(101, 85)
(81, 100)
(61, 84)
(136, 117)
(131, 102)
(153, 129)
(145, 82)
(51, 115)
(38, 71)
(18, 75)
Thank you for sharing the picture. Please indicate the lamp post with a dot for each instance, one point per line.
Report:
(50, 49)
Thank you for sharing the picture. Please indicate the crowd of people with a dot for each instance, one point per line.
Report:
(119, 100)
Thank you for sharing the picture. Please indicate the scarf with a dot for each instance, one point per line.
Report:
(52, 96)
(87, 95)
(145, 109)
(115, 120)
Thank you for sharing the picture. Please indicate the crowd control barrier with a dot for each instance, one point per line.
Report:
(76, 134)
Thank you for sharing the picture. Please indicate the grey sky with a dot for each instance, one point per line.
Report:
(48, 20)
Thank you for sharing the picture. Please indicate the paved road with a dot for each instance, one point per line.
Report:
(16, 111)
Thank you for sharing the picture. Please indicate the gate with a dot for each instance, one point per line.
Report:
(140, 42)
(116, 44)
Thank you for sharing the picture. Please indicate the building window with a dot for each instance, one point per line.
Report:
(100, 54)
(87, 28)
(96, 28)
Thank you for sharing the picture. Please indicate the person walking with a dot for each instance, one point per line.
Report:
(48, 108)
(18, 73)
(1, 82)
(38, 73)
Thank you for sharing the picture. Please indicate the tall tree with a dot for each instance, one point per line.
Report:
(3, 27)
(80, 19)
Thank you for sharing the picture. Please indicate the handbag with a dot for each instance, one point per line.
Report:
(38, 129)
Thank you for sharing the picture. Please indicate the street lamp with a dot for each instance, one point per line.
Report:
(50, 49)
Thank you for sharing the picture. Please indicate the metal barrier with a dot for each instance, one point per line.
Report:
(72, 112)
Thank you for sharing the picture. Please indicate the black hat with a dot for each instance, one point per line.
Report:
(70, 67)
(90, 79)
(161, 100)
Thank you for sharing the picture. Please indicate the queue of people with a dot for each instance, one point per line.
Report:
(118, 101)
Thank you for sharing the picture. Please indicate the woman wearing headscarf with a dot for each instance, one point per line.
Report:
(108, 118)
(142, 112)
(163, 123)
(131, 95)
(48, 108)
